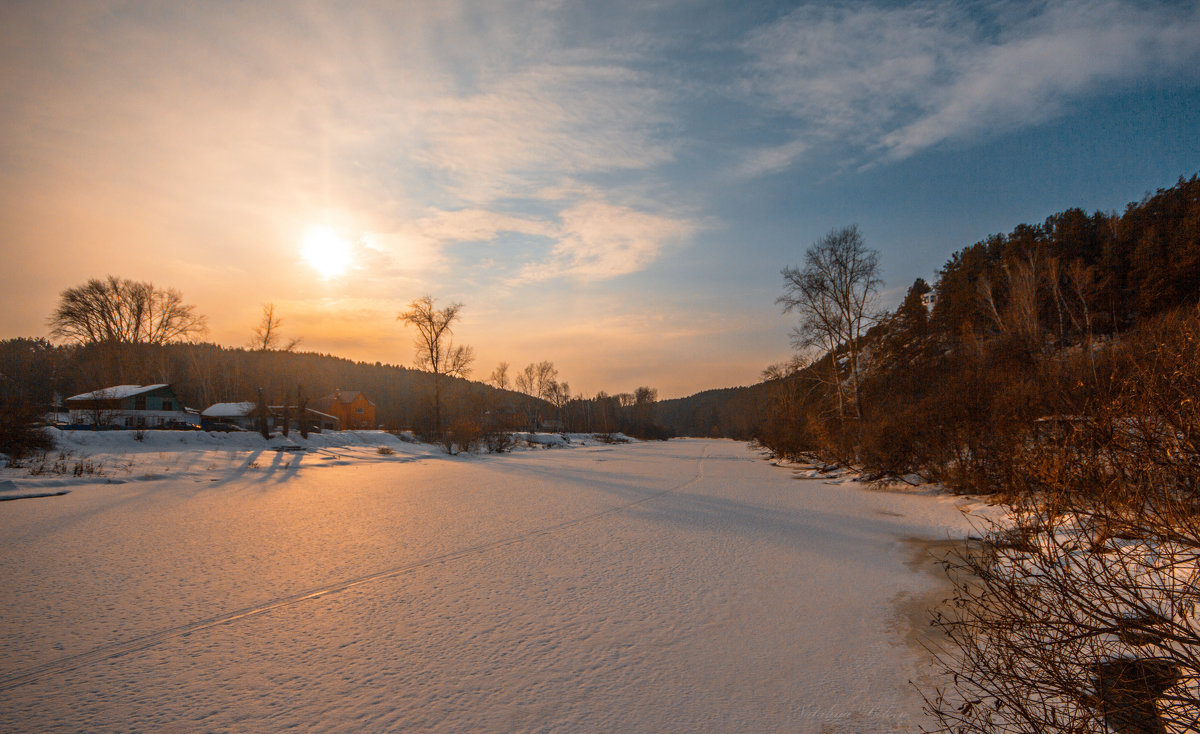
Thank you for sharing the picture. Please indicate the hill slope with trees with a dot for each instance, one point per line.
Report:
(1016, 320)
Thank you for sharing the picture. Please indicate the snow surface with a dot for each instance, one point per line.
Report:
(224, 585)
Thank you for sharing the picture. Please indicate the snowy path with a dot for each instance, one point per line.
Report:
(682, 586)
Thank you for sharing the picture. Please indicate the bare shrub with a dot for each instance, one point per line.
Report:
(1052, 632)
(498, 441)
(463, 434)
(63, 464)
(1080, 617)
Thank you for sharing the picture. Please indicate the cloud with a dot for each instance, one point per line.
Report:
(599, 240)
(890, 82)
(773, 159)
(543, 123)
(478, 225)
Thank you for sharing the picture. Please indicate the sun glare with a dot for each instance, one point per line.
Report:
(326, 251)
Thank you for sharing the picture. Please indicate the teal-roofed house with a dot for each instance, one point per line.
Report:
(128, 406)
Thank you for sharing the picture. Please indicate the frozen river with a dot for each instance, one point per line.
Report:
(681, 586)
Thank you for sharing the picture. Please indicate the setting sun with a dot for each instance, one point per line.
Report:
(326, 251)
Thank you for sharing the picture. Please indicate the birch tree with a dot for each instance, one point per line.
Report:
(834, 295)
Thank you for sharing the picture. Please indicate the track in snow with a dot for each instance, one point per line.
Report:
(125, 647)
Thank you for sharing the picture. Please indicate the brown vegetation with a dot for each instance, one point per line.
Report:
(1080, 616)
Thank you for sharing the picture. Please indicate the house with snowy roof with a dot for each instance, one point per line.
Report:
(237, 414)
(128, 406)
(350, 407)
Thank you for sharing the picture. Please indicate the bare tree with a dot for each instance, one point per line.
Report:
(784, 370)
(1022, 309)
(559, 394)
(499, 376)
(435, 346)
(834, 295)
(1052, 273)
(546, 380)
(644, 400)
(539, 382)
(120, 311)
(1017, 318)
(266, 334)
(1082, 279)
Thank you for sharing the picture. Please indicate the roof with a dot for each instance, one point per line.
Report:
(117, 392)
(228, 410)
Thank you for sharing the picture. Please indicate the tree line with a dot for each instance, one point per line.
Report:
(1001, 309)
(114, 331)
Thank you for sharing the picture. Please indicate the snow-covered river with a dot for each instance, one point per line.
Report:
(681, 586)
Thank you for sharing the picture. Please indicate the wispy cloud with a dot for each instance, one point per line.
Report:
(530, 129)
(889, 82)
(478, 225)
(598, 240)
(772, 159)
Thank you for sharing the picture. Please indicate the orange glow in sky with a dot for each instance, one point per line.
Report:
(598, 193)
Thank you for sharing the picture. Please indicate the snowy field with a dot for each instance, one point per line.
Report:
(646, 587)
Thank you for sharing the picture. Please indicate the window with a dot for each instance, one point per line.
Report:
(168, 405)
(139, 403)
(358, 410)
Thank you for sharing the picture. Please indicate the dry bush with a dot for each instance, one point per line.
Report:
(1077, 622)
(1080, 617)
(498, 441)
(463, 434)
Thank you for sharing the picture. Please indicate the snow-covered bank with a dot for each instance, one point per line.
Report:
(679, 586)
(115, 457)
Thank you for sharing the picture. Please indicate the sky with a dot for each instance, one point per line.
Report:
(613, 187)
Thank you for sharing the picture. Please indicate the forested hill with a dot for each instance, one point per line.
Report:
(203, 374)
(732, 412)
(1050, 283)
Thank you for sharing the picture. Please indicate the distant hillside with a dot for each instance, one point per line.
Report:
(1085, 276)
(732, 412)
(203, 374)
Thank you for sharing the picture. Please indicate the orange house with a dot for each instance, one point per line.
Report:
(350, 407)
